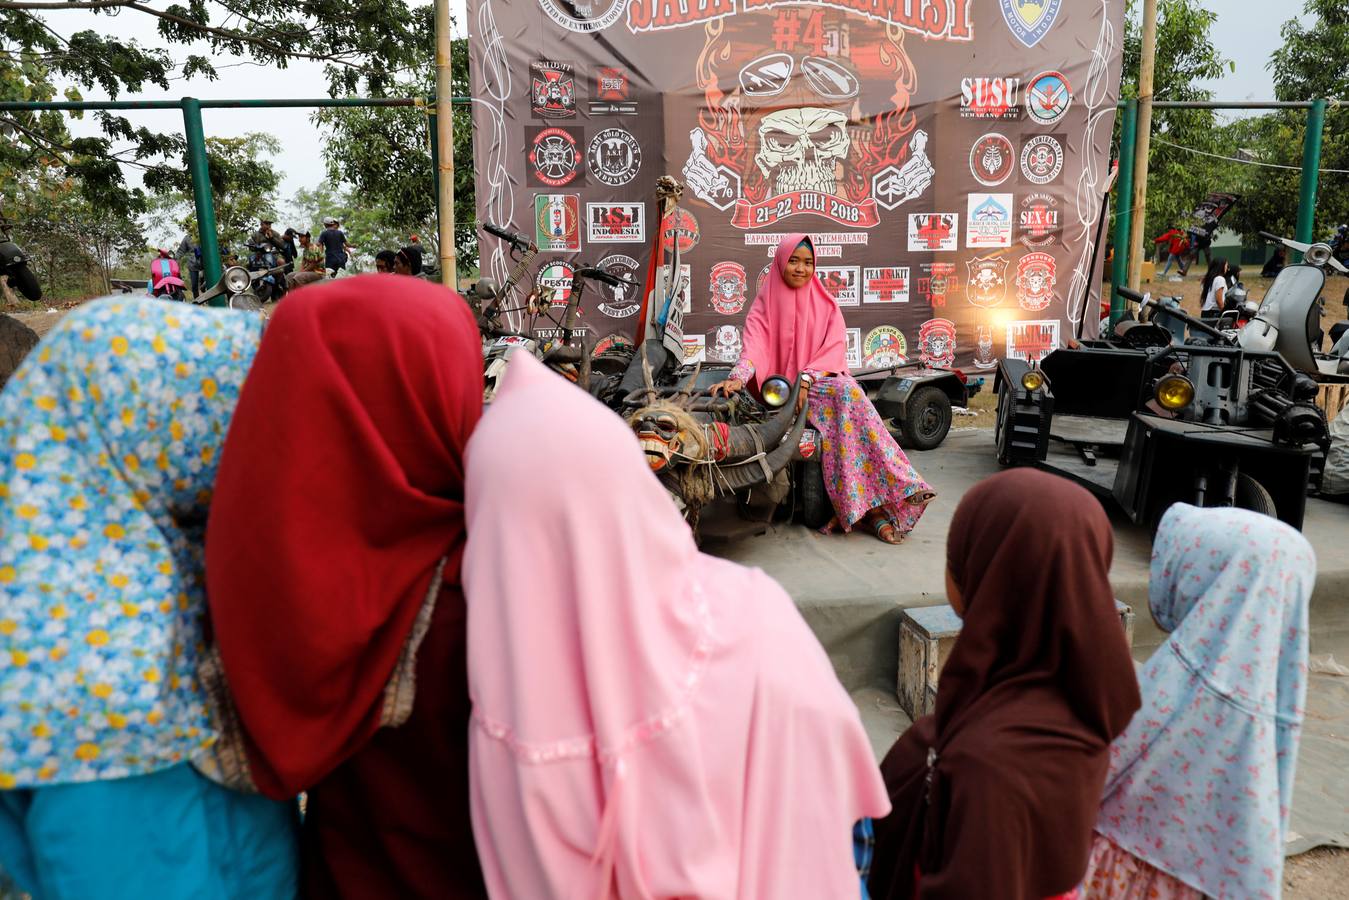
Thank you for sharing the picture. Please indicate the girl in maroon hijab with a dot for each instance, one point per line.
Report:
(333, 555)
(793, 327)
(995, 794)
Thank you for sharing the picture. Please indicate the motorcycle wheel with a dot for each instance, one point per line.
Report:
(927, 419)
(16, 339)
(1254, 496)
(22, 279)
(816, 507)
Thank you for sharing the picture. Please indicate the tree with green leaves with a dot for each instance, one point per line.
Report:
(363, 223)
(243, 185)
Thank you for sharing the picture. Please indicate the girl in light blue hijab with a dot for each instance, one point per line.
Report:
(1201, 782)
(110, 434)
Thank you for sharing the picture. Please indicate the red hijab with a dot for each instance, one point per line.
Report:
(340, 489)
(1038, 684)
(789, 330)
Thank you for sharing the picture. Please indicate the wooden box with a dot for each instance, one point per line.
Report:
(926, 636)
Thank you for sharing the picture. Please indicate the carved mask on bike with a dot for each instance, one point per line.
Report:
(659, 433)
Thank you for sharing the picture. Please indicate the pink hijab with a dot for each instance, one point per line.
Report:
(789, 330)
(647, 721)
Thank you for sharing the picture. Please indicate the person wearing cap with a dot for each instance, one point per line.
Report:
(335, 246)
(311, 262)
(266, 237)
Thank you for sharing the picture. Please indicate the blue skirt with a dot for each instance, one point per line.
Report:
(174, 835)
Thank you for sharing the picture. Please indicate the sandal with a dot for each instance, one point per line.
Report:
(830, 527)
(883, 528)
(923, 498)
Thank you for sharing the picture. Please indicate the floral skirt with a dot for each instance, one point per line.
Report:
(1116, 874)
(863, 466)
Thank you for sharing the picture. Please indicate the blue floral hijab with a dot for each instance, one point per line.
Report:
(110, 434)
(1201, 782)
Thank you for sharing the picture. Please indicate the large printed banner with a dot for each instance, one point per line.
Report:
(948, 156)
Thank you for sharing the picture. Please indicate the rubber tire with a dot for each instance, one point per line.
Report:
(16, 339)
(912, 436)
(22, 279)
(1254, 496)
(816, 507)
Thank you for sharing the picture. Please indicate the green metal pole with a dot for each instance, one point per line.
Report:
(207, 236)
(1311, 165)
(1124, 191)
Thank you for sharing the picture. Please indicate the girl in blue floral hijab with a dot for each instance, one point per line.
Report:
(110, 434)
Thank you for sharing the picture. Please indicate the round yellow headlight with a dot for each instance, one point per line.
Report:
(775, 391)
(1175, 392)
(1033, 380)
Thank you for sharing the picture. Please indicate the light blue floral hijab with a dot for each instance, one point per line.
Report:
(1201, 782)
(110, 434)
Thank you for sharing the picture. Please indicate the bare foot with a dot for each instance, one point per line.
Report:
(831, 526)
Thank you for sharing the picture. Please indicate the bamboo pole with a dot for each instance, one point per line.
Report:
(445, 140)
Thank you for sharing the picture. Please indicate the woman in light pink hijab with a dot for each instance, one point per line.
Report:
(795, 326)
(648, 722)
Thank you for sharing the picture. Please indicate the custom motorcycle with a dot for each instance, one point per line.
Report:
(14, 266)
(238, 286)
(269, 261)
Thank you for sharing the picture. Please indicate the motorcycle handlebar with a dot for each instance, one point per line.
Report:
(514, 238)
(1130, 294)
(1270, 237)
(606, 277)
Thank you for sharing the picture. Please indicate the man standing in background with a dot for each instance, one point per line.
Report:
(335, 246)
(189, 258)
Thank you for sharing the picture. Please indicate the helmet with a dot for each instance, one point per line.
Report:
(329, 221)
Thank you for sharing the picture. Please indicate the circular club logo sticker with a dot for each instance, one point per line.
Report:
(614, 157)
(884, 347)
(554, 282)
(729, 285)
(1042, 159)
(680, 225)
(586, 18)
(937, 343)
(1048, 98)
(991, 159)
(554, 157)
(619, 301)
(763, 275)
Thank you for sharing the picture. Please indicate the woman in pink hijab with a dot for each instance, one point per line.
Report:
(647, 721)
(795, 326)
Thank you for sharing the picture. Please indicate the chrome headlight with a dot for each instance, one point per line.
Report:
(776, 391)
(1318, 254)
(1033, 380)
(237, 279)
(1174, 392)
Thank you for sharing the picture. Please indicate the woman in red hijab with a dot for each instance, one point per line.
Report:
(996, 794)
(793, 327)
(333, 556)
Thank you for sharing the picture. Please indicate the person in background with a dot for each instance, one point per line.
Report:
(335, 246)
(1172, 242)
(1213, 289)
(408, 262)
(414, 249)
(345, 655)
(995, 793)
(288, 245)
(1201, 782)
(310, 256)
(117, 746)
(1275, 264)
(637, 738)
(267, 238)
(189, 257)
(386, 262)
(1201, 241)
(794, 327)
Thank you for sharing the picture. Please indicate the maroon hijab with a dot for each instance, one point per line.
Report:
(1038, 684)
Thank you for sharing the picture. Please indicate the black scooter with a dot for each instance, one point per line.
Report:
(14, 265)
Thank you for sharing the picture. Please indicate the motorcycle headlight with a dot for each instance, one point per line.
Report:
(1175, 392)
(776, 391)
(1033, 380)
(237, 279)
(1318, 254)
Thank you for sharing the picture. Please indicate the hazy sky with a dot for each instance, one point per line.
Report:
(1247, 31)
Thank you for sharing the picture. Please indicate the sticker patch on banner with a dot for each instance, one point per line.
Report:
(986, 280)
(1042, 159)
(557, 222)
(695, 348)
(884, 347)
(889, 284)
(554, 282)
(616, 223)
(728, 287)
(853, 347)
(552, 89)
(1039, 223)
(989, 222)
(841, 283)
(1035, 280)
(611, 93)
(614, 157)
(989, 98)
(554, 155)
(934, 232)
(587, 17)
(723, 344)
(1048, 97)
(685, 286)
(893, 186)
(1029, 20)
(992, 159)
(763, 276)
(984, 358)
(614, 341)
(681, 225)
(937, 343)
(1032, 341)
(619, 301)
(714, 184)
(936, 282)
